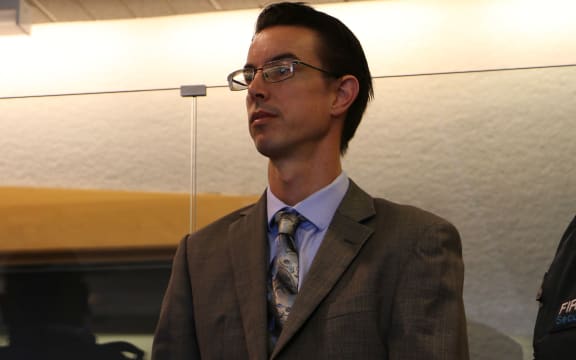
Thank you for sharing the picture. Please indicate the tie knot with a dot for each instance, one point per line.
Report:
(287, 222)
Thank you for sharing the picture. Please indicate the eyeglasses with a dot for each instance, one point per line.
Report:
(274, 71)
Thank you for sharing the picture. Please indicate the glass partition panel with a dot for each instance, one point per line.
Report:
(491, 151)
(94, 197)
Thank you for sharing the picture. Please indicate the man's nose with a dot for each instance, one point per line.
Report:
(258, 86)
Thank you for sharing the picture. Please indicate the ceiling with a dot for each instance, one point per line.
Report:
(47, 11)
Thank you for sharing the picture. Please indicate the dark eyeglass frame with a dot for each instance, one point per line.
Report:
(271, 72)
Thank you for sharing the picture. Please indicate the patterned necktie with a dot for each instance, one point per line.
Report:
(285, 276)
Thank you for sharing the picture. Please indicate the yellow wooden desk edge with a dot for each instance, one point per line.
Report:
(37, 224)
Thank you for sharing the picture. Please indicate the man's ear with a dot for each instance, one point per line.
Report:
(346, 92)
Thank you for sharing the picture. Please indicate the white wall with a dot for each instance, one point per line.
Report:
(400, 37)
(490, 151)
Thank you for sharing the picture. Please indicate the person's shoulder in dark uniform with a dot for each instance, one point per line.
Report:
(555, 329)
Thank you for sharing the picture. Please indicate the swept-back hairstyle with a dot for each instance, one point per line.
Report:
(339, 51)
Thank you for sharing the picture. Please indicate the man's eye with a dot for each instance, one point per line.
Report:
(279, 71)
(248, 75)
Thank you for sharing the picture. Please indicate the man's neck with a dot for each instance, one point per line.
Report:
(293, 182)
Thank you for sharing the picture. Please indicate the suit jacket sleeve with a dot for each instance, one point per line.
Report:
(428, 313)
(175, 336)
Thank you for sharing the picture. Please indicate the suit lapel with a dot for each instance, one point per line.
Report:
(248, 246)
(344, 239)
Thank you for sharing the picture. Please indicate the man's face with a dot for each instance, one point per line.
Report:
(291, 117)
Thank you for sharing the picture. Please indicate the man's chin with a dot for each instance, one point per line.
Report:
(271, 151)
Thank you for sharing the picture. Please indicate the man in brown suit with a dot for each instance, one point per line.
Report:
(375, 280)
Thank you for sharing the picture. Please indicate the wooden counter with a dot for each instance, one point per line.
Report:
(39, 225)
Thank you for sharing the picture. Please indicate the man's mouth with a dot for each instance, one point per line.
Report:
(260, 114)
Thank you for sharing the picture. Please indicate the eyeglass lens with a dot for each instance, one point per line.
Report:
(270, 72)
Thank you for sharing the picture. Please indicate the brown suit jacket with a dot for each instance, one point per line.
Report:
(386, 283)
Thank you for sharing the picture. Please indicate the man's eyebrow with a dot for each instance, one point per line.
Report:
(283, 56)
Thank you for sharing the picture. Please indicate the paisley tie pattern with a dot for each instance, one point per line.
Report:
(285, 270)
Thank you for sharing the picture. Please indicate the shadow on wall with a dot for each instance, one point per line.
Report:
(487, 343)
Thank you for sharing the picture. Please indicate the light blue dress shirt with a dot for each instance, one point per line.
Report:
(318, 209)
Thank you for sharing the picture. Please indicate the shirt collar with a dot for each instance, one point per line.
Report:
(318, 208)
